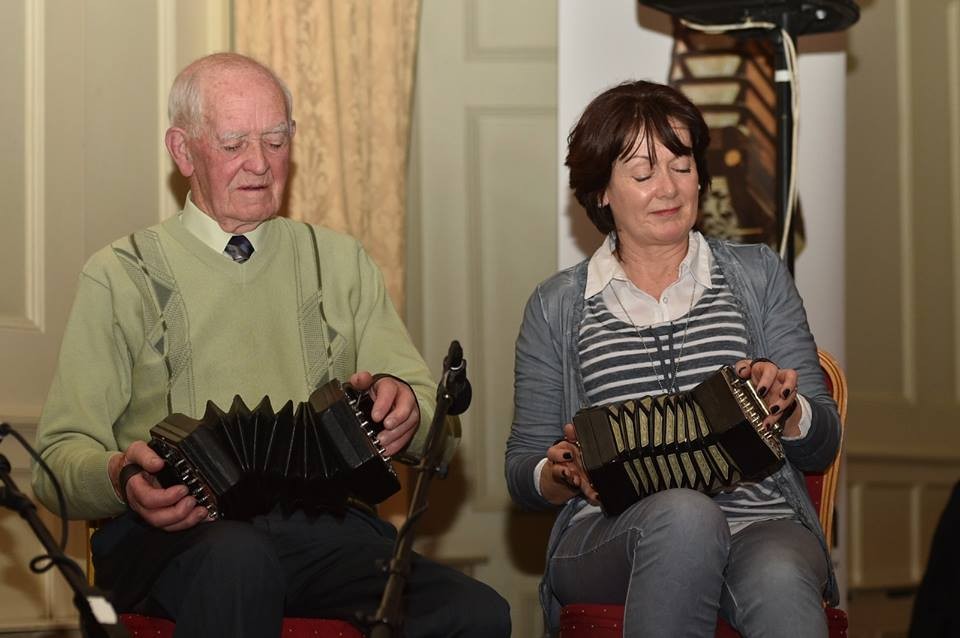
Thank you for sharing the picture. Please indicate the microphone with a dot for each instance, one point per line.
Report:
(455, 375)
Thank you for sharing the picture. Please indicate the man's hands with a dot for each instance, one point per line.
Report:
(778, 389)
(394, 405)
(563, 476)
(174, 509)
(170, 508)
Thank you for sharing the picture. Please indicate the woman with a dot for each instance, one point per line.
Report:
(656, 310)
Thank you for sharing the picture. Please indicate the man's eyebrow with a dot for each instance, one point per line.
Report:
(279, 128)
(229, 136)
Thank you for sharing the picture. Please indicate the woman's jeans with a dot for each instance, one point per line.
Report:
(671, 560)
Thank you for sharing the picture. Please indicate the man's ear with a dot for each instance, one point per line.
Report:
(176, 141)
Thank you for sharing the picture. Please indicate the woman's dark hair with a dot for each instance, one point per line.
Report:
(609, 128)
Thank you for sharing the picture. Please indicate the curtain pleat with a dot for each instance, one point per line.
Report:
(350, 67)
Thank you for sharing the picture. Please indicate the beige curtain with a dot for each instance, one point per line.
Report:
(350, 67)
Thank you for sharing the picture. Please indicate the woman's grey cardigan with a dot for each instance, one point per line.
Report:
(548, 385)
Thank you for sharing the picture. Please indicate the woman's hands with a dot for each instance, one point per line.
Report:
(563, 475)
(778, 389)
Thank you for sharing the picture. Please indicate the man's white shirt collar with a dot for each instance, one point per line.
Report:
(207, 230)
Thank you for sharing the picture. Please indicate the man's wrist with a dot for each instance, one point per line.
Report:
(127, 472)
(114, 465)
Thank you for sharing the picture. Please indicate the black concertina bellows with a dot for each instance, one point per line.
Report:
(708, 439)
(314, 457)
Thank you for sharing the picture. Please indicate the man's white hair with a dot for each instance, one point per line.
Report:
(185, 105)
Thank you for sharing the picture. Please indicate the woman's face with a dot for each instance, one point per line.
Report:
(653, 204)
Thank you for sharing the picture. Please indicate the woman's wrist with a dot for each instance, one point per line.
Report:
(554, 491)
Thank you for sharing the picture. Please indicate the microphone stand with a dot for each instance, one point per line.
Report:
(97, 616)
(388, 620)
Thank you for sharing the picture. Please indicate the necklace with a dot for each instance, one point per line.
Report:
(662, 366)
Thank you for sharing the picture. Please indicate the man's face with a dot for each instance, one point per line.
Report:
(241, 157)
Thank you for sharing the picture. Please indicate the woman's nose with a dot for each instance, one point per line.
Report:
(666, 185)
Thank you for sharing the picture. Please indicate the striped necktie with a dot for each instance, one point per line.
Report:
(238, 249)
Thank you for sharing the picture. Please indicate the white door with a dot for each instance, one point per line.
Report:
(482, 235)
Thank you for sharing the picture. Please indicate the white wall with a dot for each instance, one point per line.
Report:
(600, 44)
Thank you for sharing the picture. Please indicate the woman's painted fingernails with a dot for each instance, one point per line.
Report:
(567, 456)
(785, 393)
(762, 391)
(775, 409)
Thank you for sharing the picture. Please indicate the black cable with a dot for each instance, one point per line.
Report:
(407, 525)
(98, 619)
(5, 429)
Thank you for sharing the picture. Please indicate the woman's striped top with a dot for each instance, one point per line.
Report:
(621, 361)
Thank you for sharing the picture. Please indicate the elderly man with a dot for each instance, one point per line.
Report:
(228, 299)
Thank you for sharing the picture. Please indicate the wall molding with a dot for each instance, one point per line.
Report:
(476, 51)
(897, 458)
(916, 489)
(490, 492)
(953, 139)
(905, 142)
(45, 624)
(881, 398)
(33, 319)
(35, 161)
(166, 71)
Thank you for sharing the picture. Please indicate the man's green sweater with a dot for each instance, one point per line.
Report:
(162, 324)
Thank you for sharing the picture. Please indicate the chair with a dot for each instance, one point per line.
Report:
(144, 626)
(606, 621)
(139, 626)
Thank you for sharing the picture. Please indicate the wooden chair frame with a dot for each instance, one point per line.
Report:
(831, 477)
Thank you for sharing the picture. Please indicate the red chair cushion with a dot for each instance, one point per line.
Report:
(814, 488)
(606, 621)
(146, 626)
